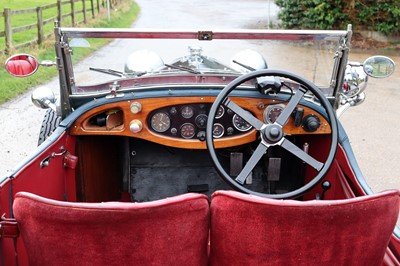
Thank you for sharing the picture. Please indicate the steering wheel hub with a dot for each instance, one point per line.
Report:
(272, 133)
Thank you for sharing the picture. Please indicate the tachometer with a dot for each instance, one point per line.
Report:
(240, 124)
(160, 122)
(272, 112)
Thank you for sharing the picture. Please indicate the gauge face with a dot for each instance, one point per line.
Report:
(240, 124)
(187, 131)
(220, 112)
(160, 122)
(272, 112)
(187, 112)
(218, 130)
(201, 121)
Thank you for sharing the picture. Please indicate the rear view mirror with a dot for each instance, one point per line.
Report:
(21, 65)
(379, 66)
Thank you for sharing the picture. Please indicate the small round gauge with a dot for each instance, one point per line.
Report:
(201, 120)
(187, 112)
(220, 112)
(240, 124)
(218, 130)
(187, 131)
(160, 122)
(272, 112)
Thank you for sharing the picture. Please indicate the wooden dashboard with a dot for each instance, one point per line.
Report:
(183, 128)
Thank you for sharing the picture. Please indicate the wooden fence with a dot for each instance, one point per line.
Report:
(88, 8)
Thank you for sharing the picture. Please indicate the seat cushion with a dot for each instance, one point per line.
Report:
(172, 231)
(250, 230)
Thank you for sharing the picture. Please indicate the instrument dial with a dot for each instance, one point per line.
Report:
(201, 120)
(240, 124)
(160, 122)
(218, 130)
(272, 112)
(187, 112)
(188, 131)
(220, 112)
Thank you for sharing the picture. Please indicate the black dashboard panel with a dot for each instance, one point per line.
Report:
(188, 121)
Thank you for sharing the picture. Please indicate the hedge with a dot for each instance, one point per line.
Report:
(376, 15)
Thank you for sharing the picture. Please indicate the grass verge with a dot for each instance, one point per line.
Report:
(11, 87)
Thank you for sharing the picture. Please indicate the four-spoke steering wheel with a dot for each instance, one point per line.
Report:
(272, 134)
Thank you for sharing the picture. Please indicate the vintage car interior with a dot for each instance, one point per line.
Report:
(142, 168)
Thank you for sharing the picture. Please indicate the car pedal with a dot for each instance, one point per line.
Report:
(274, 169)
(236, 163)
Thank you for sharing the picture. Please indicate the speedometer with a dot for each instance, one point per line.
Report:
(240, 124)
(160, 122)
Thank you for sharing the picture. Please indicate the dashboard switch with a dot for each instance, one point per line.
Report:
(136, 107)
(135, 126)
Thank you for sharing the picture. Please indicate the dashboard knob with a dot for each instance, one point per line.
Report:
(311, 123)
(136, 107)
(135, 126)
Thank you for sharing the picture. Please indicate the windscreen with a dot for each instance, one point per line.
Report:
(112, 60)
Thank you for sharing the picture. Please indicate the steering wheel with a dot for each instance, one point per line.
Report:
(272, 134)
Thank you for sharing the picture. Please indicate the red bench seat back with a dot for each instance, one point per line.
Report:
(172, 231)
(250, 230)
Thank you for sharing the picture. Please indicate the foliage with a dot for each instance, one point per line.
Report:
(318, 14)
(381, 16)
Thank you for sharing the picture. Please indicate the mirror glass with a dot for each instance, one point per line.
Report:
(21, 65)
(379, 66)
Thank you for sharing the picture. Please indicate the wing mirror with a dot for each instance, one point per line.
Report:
(379, 66)
(24, 65)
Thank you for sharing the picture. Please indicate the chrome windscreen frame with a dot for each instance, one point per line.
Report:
(67, 81)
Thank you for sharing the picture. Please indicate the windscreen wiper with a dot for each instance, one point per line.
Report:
(243, 65)
(108, 71)
(183, 68)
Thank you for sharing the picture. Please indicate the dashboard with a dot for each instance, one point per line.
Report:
(181, 121)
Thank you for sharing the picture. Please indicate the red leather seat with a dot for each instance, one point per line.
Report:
(250, 230)
(172, 231)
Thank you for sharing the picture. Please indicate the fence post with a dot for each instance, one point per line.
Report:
(39, 11)
(59, 12)
(84, 11)
(92, 6)
(72, 12)
(8, 29)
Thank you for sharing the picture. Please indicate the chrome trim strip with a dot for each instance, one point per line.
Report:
(193, 34)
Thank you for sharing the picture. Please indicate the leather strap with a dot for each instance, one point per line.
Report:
(8, 227)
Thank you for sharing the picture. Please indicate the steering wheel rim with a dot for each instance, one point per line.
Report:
(274, 132)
